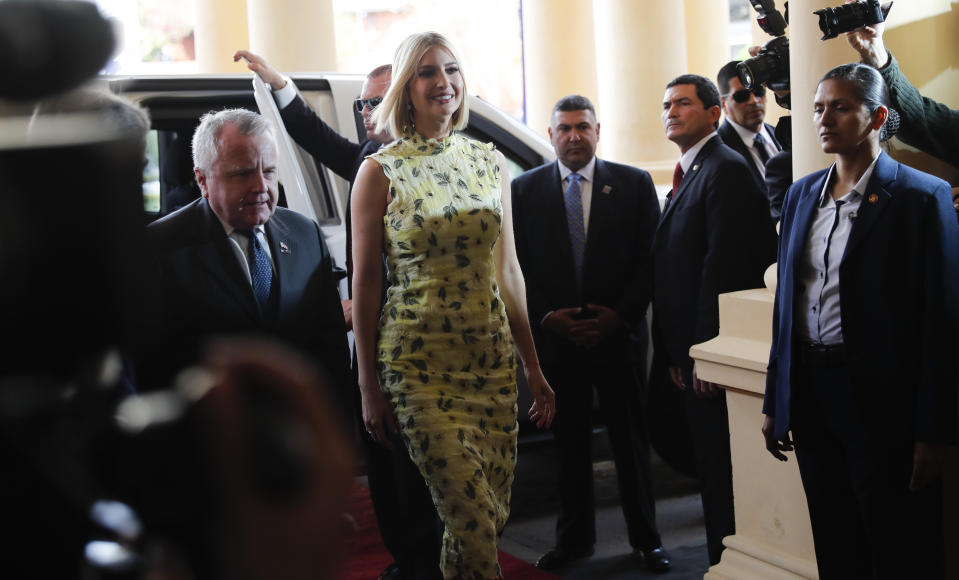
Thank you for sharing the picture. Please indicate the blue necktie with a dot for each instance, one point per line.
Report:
(261, 271)
(574, 220)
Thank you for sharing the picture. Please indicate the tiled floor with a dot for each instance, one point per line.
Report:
(530, 531)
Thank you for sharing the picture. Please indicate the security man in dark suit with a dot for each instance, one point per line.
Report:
(743, 130)
(404, 510)
(584, 228)
(862, 370)
(714, 236)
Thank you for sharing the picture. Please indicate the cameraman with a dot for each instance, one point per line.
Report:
(926, 125)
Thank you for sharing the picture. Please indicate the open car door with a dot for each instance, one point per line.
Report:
(292, 163)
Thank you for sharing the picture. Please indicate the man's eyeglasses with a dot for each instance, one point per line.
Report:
(359, 104)
(743, 95)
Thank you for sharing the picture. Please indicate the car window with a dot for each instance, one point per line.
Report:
(519, 156)
(151, 176)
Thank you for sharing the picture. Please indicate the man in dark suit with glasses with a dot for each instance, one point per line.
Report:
(743, 129)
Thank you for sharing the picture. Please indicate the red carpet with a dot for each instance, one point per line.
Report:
(366, 556)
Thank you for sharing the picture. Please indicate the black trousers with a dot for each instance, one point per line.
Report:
(619, 403)
(855, 470)
(708, 422)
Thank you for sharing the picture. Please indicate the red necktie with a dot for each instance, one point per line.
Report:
(677, 178)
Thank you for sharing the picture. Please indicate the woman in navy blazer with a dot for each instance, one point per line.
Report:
(862, 373)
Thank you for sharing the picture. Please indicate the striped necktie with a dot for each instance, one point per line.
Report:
(574, 221)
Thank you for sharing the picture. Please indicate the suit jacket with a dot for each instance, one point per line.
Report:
(204, 293)
(732, 139)
(779, 176)
(327, 146)
(330, 148)
(715, 236)
(616, 268)
(898, 283)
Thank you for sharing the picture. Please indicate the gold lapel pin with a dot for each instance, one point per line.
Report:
(284, 249)
(607, 189)
(873, 198)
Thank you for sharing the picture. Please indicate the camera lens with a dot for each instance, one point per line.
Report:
(745, 75)
(770, 67)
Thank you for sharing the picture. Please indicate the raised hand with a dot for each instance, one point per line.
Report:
(258, 64)
(867, 41)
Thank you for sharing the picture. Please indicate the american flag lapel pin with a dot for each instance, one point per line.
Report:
(607, 189)
(284, 249)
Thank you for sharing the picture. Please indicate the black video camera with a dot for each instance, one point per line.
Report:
(771, 66)
(835, 21)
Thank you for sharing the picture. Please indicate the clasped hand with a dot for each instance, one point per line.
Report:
(586, 329)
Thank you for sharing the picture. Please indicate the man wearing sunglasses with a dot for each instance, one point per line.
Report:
(744, 129)
(404, 510)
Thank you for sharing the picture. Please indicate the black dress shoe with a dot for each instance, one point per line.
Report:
(655, 560)
(559, 558)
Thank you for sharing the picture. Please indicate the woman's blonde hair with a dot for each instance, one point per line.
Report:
(395, 112)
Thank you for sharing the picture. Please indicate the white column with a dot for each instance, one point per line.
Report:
(707, 34)
(220, 30)
(294, 35)
(559, 56)
(809, 59)
(640, 46)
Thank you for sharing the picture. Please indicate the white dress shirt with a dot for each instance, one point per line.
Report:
(284, 96)
(749, 138)
(241, 247)
(686, 160)
(818, 297)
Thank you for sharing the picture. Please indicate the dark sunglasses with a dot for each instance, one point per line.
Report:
(359, 104)
(743, 95)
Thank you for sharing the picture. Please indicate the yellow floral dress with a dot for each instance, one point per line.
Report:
(445, 354)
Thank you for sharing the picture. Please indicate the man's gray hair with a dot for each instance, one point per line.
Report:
(206, 134)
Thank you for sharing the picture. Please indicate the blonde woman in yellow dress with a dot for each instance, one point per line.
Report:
(438, 363)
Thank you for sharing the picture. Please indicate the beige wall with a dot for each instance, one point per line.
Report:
(923, 36)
